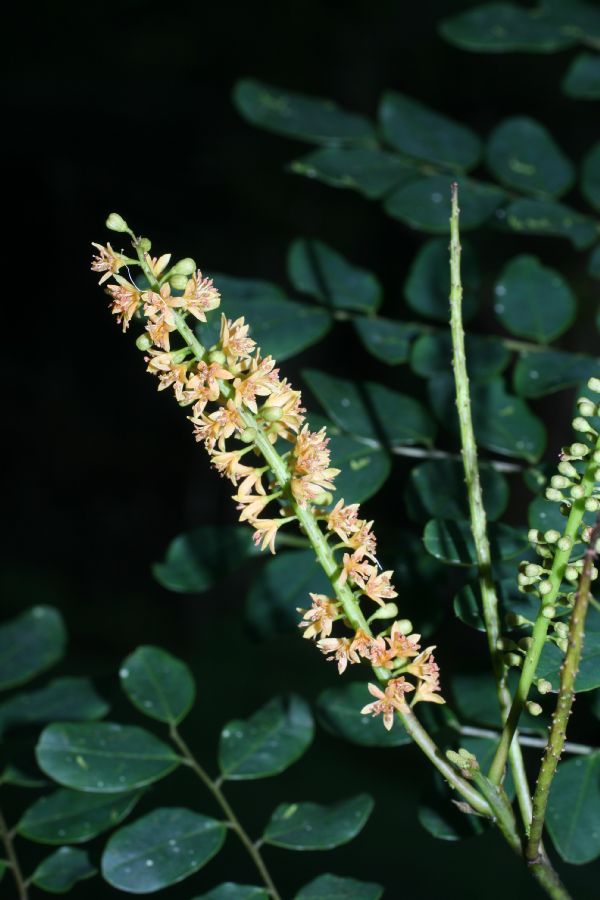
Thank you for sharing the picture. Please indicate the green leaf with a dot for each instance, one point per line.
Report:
(503, 423)
(505, 28)
(371, 411)
(338, 709)
(386, 339)
(467, 604)
(440, 817)
(18, 778)
(451, 541)
(60, 871)
(436, 489)
(588, 676)
(582, 80)
(590, 176)
(364, 468)
(282, 586)
(103, 757)
(282, 328)
(238, 291)
(549, 219)
(427, 288)
(231, 891)
(533, 301)
(475, 700)
(367, 170)
(158, 684)
(200, 558)
(432, 355)
(424, 134)
(268, 742)
(522, 154)
(311, 826)
(323, 273)
(539, 373)
(299, 116)
(594, 263)
(160, 849)
(425, 204)
(332, 887)
(30, 644)
(72, 817)
(67, 699)
(573, 806)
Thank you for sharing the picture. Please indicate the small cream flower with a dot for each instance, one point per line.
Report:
(340, 650)
(388, 701)
(319, 619)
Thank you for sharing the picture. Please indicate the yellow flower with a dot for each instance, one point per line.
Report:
(318, 620)
(388, 701)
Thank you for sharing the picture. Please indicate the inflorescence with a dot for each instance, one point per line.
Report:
(241, 408)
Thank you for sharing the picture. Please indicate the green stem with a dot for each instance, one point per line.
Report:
(476, 508)
(525, 740)
(215, 790)
(566, 693)
(11, 856)
(540, 629)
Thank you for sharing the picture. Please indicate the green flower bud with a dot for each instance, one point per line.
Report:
(562, 644)
(560, 482)
(543, 686)
(404, 626)
(248, 435)
(178, 356)
(544, 587)
(594, 385)
(549, 611)
(145, 245)
(581, 424)
(524, 579)
(178, 282)
(554, 495)
(561, 629)
(506, 644)
(513, 620)
(271, 413)
(586, 407)
(577, 491)
(323, 499)
(185, 266)
(217, 356)
(565, 468)
(578, 451)
(551, 536)
(389, 611)
(115, 222)
(512, 659)
(143, 342)
(534, 536)
(565, 543)
(525, 643)
(533, 570)
(571, 573)
(533, 708)
(591, 504)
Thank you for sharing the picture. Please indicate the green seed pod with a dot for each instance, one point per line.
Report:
(594, 385)
(549, 611)
(115, 222)
(178, 282)
(271, 413)
(143, 342)
(185, 266)
(248, 435)
(533, 708)
(543, 686)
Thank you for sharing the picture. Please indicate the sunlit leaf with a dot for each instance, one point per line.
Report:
(424, 134)
(30, 644)
(451, 541)
(103, 757)
(160, 685)
(533, 301)
(299, 116)
(268, 742)
(65, 699)
(386, 339)
(200, 558)
(522, 154)
(425, 204)
(60, 871)
(339, 711)
(323, 273)
(436, 489)
(369, 171)
(573, 809)
(332, 887)
(427, 288)
(73, 817)
(160, 849)
(311, 826)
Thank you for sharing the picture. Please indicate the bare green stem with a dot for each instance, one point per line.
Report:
(566, 693)
(13, 862)
(476, 508)
(215, 790)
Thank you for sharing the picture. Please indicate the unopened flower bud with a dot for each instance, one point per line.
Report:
(565, 543)
(178, 282)
(594, 385)
(562, 644)
(115, 222)
(586, 407)
(561, 629)
(512, 659)
(592, 505)
(534, 536)
(533, 570)
(185, 266)
(271, 413)
(533, 708)
(579, 450)
(560, 482)
(570, 573)
(248, 435)
(582, 425)
(513, 620)
(143, 342)
(523, 579)
(577, 491)
(525, 643)
(506, 644)
(323, 499)
(544, 587)
(217, 356)
(389, 611)
(549, 611)
(553, 495)
(404, 626)
(551, 536)
(145, 244)
(543, 686)
(565, 468)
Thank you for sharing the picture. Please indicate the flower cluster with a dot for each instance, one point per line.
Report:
(240, 407)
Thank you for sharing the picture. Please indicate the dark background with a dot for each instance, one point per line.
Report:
(126, 106)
